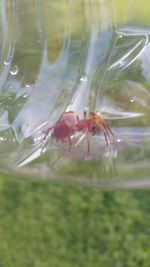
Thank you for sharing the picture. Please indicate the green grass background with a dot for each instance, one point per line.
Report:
(47, 225)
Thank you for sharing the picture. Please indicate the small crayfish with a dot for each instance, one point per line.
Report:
(69, 123)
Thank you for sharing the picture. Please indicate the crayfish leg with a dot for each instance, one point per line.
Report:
(47, 132)
(105, 124)
(105, 133)
(98, 119)
(104, 130)
(84, 115)
(70, 145)
(88, 143)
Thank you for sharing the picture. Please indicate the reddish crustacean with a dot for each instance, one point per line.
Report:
(69, 123)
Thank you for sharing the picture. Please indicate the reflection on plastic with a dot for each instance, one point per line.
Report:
(93, 63)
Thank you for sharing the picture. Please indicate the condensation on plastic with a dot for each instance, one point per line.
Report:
(57, 56)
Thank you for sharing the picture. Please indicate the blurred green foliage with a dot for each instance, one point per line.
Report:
(46, 225)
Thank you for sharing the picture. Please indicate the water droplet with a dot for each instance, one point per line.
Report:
(27, 85)
(120, 35)
(25, 95)
(6, 63)
(10, 88)
(14, 70)
(132, 99)
(118, 140)
(83, 78)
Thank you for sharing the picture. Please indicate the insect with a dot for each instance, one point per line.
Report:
(69, 123)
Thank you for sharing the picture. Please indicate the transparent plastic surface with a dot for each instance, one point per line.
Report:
(58, 56)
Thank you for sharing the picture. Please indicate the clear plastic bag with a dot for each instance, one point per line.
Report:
(58, 56)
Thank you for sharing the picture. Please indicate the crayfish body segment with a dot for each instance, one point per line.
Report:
(69, 123)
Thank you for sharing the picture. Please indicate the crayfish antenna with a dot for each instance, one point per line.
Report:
(49, 129)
